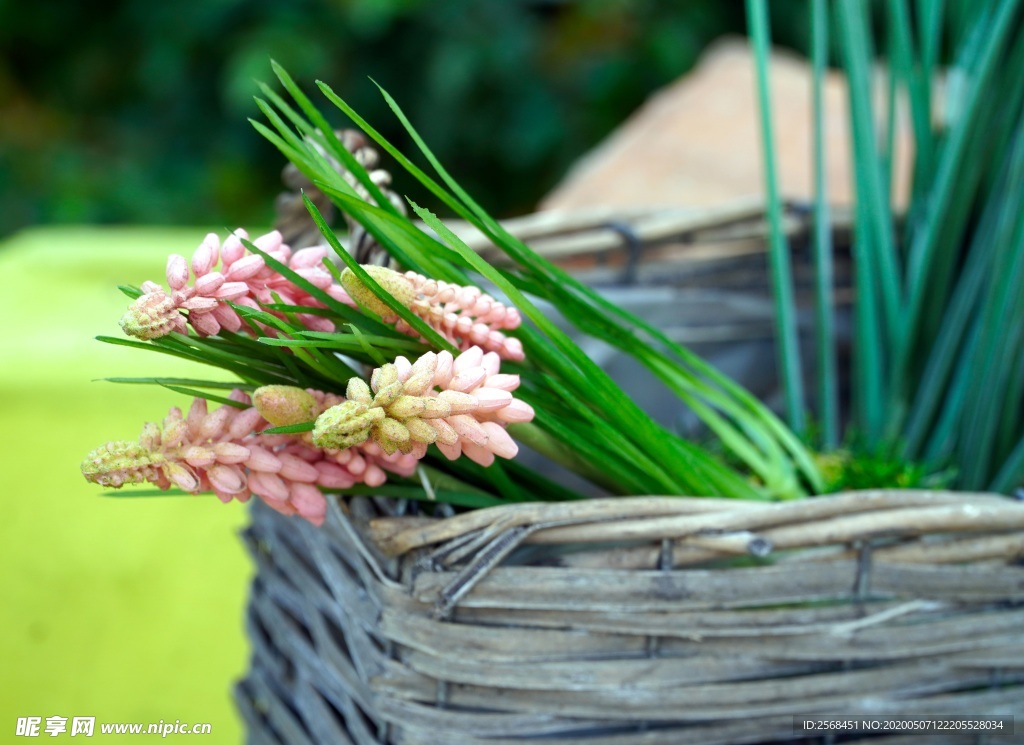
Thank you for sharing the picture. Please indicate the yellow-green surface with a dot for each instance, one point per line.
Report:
(124, 609)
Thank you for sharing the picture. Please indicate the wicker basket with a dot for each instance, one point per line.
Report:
(645, 620)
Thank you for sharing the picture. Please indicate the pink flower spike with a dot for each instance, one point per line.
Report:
(243, 277)
(223, 451)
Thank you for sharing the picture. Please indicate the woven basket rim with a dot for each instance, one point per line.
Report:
(843, 517)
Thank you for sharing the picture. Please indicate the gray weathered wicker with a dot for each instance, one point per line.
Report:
(646, 620)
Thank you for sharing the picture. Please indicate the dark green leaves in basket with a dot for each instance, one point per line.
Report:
(585, 419)
(938, 314)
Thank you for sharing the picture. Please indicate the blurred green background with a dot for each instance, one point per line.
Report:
(134, 113)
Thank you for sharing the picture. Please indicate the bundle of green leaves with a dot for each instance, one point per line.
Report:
(938, 314)
(937, 384)
(583, 420)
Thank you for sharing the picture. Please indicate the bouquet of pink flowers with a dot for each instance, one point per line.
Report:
(412, 381)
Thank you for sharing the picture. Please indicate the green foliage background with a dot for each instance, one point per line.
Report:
(136, 112)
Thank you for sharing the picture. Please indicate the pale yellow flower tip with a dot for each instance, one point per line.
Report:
(118, 463)
(151, 316)
(391, 281)
(345, 425)
(282, 405)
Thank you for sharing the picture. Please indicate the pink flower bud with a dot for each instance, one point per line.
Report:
(271, 242)
(308, 502)
(333, 476)
(469, 429)
(215, 425)
(492, 399)
(503, 382)
(269, 486)
(445, 363)
(233, 250)
(200, 304)
(477, 454)
(227, 318)
(199, 456)
(516, 411)
(374, 475)
(245, 267)
(182, 476)
(309, 257)
(230, 452)
(459, 402)
(227, 479)
(472, 357)
(467, 379)
(209, 283)
(451, 452)
(231, 291)
(295, 469)
(206, 255)
(499, 442)
(205, 324)
(316, 277)
(262, 460)
(177, 271)
(196, 414)
(246, 422)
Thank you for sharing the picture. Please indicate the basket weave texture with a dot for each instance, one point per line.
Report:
(648, 620)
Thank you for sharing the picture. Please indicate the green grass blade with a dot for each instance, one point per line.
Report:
(824, 301)
(786, 327)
